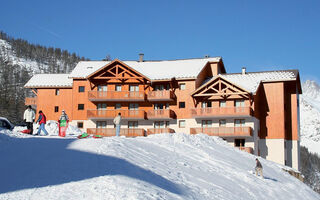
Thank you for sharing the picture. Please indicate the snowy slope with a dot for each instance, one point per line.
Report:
(8, 54)
(176, 166)
(310, 116)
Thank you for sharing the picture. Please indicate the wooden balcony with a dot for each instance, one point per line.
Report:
(159, 130)
(161, 114)
(224, 131)
(111, 114)
(30, 101)
(116, 96)
(108, 132)
(161, 95)
(221, 112)
(246, 149)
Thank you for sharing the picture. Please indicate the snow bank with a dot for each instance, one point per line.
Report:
(161, 166)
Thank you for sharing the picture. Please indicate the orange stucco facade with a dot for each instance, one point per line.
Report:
(208, 103)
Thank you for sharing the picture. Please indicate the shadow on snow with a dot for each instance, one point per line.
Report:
(38, 162)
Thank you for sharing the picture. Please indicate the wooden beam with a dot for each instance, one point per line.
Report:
(219, 94)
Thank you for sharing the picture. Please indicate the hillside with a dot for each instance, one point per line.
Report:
(175, 166)
(310, 116)
(19, 60)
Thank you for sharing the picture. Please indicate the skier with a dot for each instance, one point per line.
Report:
(258, 168)
(29, 117)
(117, 121)
(42, 121)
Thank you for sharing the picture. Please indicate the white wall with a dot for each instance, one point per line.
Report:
(273, 149)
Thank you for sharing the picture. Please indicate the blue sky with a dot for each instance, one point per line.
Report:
(260, 35)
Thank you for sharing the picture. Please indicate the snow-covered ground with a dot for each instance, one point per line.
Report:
(164, 166)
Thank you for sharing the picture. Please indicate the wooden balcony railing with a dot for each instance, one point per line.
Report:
(224, 131)
(159, 130)
(161, 95)
(30, 101)
(161, 114)
(116, 96)
(221, 111)
(246, 149)
(108, 132)
(110, 114)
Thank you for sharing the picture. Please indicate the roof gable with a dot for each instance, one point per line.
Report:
(220, 88)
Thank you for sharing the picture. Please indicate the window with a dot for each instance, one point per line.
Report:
(132, 124)
(222, 122)
(158, 106)
(134, 88)
(118, 88)
(117, 106)
(223, 103)
(101, 106)
(167, 105)
(182, 104)
(56, 109)
(80, 106)
(101, 124)
(206, 123)
(239, 103)
(161, 124)
(81, 88)
(102, 88)
(80, 124)
(133, 106)
(239, 142)
(182, 86)
(206, 104)
(239, 122)
(182, 123)
(57, 92)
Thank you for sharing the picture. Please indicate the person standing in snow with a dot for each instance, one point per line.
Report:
(29, 117)
(42, 121)
(117, 122)
(258, 168)
(64, 116)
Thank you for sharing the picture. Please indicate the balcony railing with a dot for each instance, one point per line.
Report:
(108, 132)
(161, 95)
(116, 96)
(110, 114)
(30, 101)
(160, 114)
(220, 111)
(224, 131)
(246, 149)
(159, 130)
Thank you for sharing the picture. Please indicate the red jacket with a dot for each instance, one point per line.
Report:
(42, 119)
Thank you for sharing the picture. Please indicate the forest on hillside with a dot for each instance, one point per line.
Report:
(14, 76)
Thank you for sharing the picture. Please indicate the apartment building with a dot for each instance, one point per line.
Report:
(254, 111)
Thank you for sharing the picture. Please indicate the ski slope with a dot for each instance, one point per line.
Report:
(163, 166)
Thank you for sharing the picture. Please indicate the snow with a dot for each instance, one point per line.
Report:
(8, 53)
(49, 80)
(310, 116)
(251, 81)
(162, 166)
(188, 68)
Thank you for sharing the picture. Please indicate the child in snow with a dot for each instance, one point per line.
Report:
(258, 168)
(64, 116)
(42, 121)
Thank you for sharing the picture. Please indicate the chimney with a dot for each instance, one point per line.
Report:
(141, 57)
(243, 70)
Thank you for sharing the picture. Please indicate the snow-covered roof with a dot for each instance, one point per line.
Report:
(49, 80)
(165, 69)
(250, 81)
